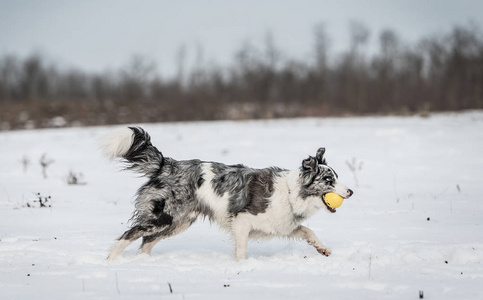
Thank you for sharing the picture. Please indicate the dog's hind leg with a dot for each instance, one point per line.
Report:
(117, 249)
(174, 229)
(149, 242)
(127, 238)
(305, 233)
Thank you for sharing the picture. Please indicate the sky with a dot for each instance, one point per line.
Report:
(104, 35)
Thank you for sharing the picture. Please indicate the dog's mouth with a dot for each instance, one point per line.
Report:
(330, 209)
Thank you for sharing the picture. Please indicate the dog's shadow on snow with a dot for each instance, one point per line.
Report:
(221, 262)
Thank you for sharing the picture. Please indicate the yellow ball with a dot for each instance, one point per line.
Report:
(333, 200)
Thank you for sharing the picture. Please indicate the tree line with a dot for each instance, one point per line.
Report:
(440, 72)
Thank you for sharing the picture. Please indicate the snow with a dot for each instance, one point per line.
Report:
(414, 223)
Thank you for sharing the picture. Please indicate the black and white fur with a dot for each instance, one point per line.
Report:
(249, 203)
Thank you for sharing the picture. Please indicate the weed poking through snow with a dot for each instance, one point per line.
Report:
(355, 166)
(74, 178)
(45, 163)
(25, 163)
(40, 201)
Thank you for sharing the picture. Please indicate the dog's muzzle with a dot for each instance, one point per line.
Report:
(349, 193)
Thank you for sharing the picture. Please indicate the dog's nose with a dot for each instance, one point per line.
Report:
(350, 192)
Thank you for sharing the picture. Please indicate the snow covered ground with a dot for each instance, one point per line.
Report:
(414, 223)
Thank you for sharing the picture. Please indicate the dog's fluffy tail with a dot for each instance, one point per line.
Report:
(133, 145)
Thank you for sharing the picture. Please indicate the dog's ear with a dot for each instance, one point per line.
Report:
(310, 164)
(320, 156)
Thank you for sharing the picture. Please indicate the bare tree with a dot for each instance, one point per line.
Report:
(441, 72)
(359, 35)
(181, 64)
(322, 43)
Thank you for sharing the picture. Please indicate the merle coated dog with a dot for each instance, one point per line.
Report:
(249, 203)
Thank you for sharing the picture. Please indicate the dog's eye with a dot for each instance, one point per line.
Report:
(328, 179)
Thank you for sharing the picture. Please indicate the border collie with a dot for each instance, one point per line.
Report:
(248, 203)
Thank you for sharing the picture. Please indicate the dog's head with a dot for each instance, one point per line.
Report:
(318, 179)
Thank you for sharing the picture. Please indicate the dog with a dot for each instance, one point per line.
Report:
(248, 203)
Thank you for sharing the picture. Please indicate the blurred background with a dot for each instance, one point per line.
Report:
(83, 63)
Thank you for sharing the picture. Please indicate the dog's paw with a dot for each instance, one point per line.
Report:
(240, 257)
(324, 251)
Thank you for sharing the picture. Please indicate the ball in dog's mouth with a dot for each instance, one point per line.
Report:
(332, 201)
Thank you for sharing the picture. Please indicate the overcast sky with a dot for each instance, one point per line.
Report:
(101, 35)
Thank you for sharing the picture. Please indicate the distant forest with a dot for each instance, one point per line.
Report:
(440, 72)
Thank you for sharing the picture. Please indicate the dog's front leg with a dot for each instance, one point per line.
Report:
(240, 231)
(305, 233)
